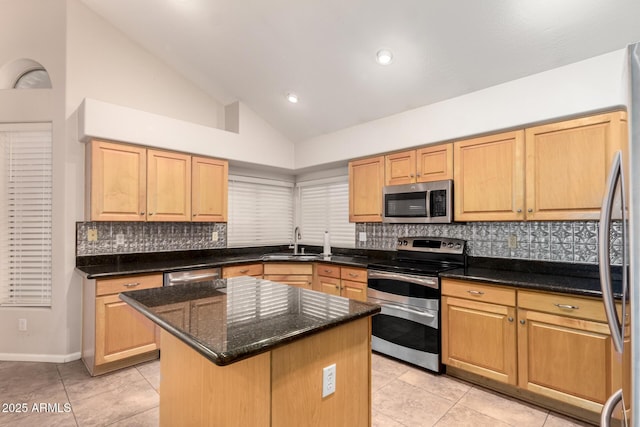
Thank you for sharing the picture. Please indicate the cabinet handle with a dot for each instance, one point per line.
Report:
(411, 175)
(353, 275)
(510, 319)
(327, 271)
(131, 285)
(194, 215)
(246, 270)
(522, 322)
(519, 211)
(338, 287)
(141, 213)
(530, 210)
(150, 213)
(418, 175)
(472, 292)
(567, 306)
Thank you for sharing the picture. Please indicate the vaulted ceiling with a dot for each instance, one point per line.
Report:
(257, 51)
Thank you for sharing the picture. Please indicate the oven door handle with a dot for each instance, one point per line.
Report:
(420, 280)
(409, 310)
(195, 278)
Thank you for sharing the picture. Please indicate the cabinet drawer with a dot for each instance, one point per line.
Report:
(293, 268)
(242, 270)
(562, 304)
(479, 292)
(128, 283)
(353, 274)
(328, 270)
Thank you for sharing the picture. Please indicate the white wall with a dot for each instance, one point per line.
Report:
(584, 86)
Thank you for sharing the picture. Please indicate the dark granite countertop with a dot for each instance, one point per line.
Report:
(248, 317)
(577, 279)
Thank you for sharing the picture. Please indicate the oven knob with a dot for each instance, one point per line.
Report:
(450, 245)
(458, 245)
(404, 242)
(399, 242)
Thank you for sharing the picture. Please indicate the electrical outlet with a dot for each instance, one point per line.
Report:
(512, 241)
(214, 236)
(120, 239)
(329, 380)
(92, 234)
(362, 236)
(22, 325)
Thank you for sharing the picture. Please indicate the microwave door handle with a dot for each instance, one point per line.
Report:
(603, 254)
(428, 203)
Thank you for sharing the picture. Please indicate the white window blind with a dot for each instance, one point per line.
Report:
(324, 206)
(25, 214)
(260, 212)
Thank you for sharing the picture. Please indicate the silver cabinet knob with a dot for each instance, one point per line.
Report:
(522, 322)
(530, 210)
(519, 210)
(510, 319)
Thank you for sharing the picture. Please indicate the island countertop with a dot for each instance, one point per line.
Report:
(243, 317)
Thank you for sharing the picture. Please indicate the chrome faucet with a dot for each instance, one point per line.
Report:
(296, 236)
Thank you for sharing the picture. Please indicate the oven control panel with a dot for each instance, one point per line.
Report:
(431, 244)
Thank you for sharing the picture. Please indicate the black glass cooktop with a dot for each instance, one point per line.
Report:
(419, 267)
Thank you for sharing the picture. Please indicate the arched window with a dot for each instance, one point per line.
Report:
(33, 79)
(24, 74)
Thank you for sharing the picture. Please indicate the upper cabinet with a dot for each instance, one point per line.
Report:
(556, 171)
(209, 183)
(366, 179)
(116, 182)
(431, 163)
(131, 183)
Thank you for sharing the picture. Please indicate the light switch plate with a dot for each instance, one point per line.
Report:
(328, 380)
(214, 236)
(512, 241)
(92, 234)
(362, 236)
(120, 239)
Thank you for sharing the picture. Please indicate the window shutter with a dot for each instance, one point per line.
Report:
(324, 206)
(260, 212)
(25, 217)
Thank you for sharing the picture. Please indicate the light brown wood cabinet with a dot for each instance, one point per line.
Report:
(348, 282)
(561, 168)
(131, 183)
(366, 179)
(479, 329)
(425, 164)
(298, 274)
(255, 270)
(553, 345)
(115, 335)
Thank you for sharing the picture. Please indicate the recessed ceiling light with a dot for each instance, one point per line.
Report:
(292, 98)
(384, 57)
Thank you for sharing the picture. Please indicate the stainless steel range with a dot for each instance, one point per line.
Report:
(408, 290)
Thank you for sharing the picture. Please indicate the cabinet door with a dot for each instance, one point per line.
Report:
(354, 290)
(568, 163)
(208, 316)
(564, 358)
(479, 338)
(434, 163)
(209, 189)
(366, 179)
(328, 285)
(118, 182)
(400, 168)
(121, 331)
(168, 186)
(489, 178)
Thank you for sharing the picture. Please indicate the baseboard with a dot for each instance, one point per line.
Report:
(50, 358)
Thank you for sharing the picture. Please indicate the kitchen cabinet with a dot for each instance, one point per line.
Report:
(116, 182)
(209, 189)
(432, 163)
(479, 330)
(348, 282)
(168, 186)
(113, 334)
(295, 273)
(254, 270)
(366, 179)
(561, 167)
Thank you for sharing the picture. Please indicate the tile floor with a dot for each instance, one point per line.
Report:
(402, 396)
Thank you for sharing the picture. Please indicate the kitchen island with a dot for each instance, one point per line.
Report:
(252, 353)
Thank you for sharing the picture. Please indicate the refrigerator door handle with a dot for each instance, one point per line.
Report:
(603, 251)
(608, 407)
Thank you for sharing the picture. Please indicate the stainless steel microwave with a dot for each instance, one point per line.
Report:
(425, 202)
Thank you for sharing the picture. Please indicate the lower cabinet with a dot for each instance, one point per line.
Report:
(553, 345)
(295, 273)
(348, 282)
(115, 335)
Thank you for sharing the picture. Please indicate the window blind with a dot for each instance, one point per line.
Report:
(260, 212)
(324, 205)
(25, 215)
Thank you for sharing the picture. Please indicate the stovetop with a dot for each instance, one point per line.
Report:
(425, 256)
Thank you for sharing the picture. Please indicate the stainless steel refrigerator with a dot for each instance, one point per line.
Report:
(621, 208)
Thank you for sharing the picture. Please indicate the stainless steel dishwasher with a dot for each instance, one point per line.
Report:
(201, 275)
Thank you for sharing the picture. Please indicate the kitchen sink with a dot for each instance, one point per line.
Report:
(291, 257)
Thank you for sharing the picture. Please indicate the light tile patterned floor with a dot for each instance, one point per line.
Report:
(402, 396)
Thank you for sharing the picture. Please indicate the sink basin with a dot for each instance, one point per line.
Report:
(291, 257)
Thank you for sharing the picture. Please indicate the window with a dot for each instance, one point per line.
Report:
(25, 214)
(33, 79)
(260, 212)
(324, 206)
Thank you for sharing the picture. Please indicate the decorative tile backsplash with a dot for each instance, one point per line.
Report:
(136, 237)
(575, 241)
